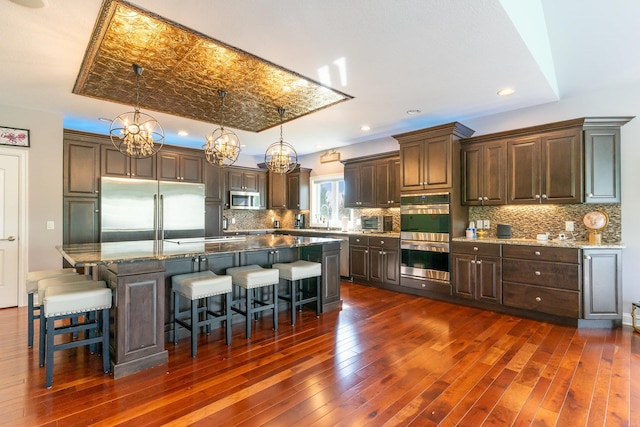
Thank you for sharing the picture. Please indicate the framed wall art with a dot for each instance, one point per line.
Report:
(14, 137)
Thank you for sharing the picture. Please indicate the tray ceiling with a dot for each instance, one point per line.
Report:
(183, 71)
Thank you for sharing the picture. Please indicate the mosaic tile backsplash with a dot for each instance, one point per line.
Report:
(528, 220)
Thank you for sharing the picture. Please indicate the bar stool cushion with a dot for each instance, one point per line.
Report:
(33, 277)
(64, 279)
(201, 284)
(299, 270)
(253, 276)
(81, 297)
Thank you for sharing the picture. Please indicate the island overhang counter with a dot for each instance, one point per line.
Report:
(139, 274)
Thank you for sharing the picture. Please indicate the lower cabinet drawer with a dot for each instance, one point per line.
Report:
(544, 300)
(551, 274)
(426, 285)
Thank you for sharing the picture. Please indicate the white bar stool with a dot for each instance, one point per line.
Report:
(33, 311)
(62, 303)
(195, 287)
(295, 272)
(62, 284)
(252, 277)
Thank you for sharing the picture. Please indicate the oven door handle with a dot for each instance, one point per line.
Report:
(424, 246)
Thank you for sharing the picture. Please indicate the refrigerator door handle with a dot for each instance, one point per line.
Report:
(161, 218)
(155, 217)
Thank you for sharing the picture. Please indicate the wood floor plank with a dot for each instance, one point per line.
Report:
(386, 359)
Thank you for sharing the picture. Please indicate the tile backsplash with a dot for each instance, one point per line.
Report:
(528, 220)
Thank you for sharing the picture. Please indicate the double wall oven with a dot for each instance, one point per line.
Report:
(424, 239)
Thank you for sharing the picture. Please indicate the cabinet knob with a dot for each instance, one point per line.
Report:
(480, 198)
(423, 285)
(544, 196)
(587, 257)
(486, 198)
(479, 262)
(538, 273)
(538, 299)
(133, 174)
(473, 261)
(537, 253)
(97, 210)
(382, 242)
(589, 194)
(366, 252)
(537, 196)
(96, 191)
(475, 248)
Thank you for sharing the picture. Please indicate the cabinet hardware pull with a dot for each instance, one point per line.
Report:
(587, 257)
(486, 198)
(538, 273)
(538, 299)
(473, 261)
(475, 248)
(544, 196)
(382, 242)
(537, 196)
(479, 262)
(537, 253)
(423, 285)
(480, 198)
(589, 194)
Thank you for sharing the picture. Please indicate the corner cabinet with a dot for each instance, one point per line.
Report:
(428, 157)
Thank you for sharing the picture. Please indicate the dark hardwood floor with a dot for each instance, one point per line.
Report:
(385, 359)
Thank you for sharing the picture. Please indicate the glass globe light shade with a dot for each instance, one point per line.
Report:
(281, 157)
(222, 147)
(136, 134)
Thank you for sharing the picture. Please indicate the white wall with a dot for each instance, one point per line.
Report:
(44, 184)
(622, 101)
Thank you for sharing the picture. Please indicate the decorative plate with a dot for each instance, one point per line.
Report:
(596, 220)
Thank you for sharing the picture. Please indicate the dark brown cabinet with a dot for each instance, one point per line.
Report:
(484, 173)
(277, 191)
(214, 182)
(298, 187)
(542, 279)
(546, 168)
(179, 166)
(428, 157)
(360, 184)
(116, 164)
(375, 260)
(384, 260)
(477, 272)
(242, 180)
(602, 284)
(212, 218)
(81, 174)
(388, 183)
(81, 220)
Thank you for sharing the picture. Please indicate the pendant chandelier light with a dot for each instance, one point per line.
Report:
(136, 134)
(280, 156)
(223, 146)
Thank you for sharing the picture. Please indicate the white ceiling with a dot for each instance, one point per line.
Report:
(446, 58)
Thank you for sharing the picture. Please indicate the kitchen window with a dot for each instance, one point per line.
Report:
(327, 201)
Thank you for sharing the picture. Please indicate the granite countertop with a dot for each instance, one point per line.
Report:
(145, 250)
(554, 243)
(315, 232)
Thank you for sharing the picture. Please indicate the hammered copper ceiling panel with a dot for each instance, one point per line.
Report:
(183, 71)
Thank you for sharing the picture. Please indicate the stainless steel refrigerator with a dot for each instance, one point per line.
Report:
(136, 209)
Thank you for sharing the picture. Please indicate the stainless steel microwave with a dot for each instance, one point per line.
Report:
(244, 200)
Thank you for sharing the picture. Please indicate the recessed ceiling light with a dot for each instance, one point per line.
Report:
(183, 133)
(506, 91)
(365, 127)
(413, 112)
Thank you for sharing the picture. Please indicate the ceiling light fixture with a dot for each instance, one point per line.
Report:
(136, 134)
(506, 91)
(223, 146)
(280, 156)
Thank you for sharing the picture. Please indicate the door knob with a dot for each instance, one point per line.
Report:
(10, 238)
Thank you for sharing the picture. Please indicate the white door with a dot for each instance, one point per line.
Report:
(9, 227)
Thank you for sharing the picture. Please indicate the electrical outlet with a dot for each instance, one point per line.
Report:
(568, 225)
(233, 220)
(479, 224)
(487, 224)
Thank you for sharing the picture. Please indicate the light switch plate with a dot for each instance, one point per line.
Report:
(487, 224)
(50, 225)
(479, 224)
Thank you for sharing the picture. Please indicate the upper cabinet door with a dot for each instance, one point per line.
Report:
(524, 170)
(602, 165)
(411, 164)
(561, 166)
(81, 175)
(175, 166)
(494, 173)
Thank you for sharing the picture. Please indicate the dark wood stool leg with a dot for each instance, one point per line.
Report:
(194, 328)
(318, 301)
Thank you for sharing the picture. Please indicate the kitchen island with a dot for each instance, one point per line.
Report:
(139, 274)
